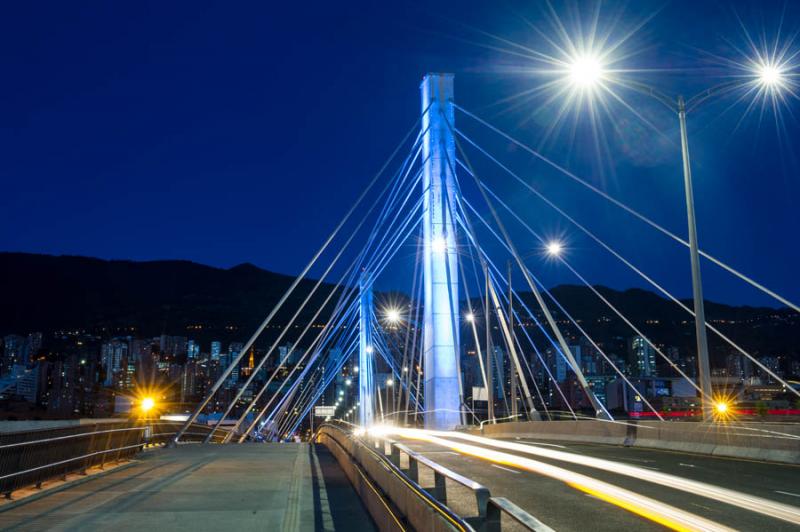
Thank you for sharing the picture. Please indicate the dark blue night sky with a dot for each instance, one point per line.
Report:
(240, 132)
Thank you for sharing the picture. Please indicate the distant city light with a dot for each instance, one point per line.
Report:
(355, 369)
(721, 407)
(389, 382)
(348, 382)
(405, 369)
(369, 349)
(393, 315)
(555, 248)
(439, 244)
(470, 317)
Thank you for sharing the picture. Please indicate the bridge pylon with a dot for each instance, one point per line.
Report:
(440, 257)
(366, 354)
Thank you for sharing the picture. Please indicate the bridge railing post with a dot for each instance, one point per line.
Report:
(439, 487)
(493, 521)
(413, 469)
(394, 456)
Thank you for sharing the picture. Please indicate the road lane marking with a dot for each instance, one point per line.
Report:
(686, 465)
(787, 493)
(531, 442)
(650, 468)
(505, 468)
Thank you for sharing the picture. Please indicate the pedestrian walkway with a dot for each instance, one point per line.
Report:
(286, 487)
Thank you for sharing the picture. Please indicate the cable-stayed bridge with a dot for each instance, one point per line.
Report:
(525, 437)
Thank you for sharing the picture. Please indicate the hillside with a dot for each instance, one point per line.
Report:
(48, 293)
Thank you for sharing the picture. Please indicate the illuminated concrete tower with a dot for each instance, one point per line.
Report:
(366, 366)
(441, 341)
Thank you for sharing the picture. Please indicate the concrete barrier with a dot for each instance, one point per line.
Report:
(574, 431)
(380, 509)
(771, 442)
(401, 502)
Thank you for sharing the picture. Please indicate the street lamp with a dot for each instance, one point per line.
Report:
(586, 72)
(554, 248)
(770, 75)
(393, 315)
(147, 404)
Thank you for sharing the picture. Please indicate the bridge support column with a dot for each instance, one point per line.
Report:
(366, 356)
(440, 323)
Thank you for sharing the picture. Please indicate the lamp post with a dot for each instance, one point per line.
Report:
(585, 73)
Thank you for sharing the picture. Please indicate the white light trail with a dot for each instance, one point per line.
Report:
(753, 503)
(656, 511)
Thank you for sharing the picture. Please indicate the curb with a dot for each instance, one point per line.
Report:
(66, 485)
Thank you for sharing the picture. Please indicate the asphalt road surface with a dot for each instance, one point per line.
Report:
(568, 506)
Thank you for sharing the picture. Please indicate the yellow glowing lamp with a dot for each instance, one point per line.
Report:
(721, 407)
(148, 403)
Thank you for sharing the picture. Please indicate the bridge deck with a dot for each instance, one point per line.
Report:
(195, 488)
(564, 508)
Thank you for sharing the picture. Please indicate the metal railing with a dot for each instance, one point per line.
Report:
(164, 431)
(500, 505)
(30, 458)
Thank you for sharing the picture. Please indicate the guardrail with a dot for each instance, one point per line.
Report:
(423, 507)
(500, 505)
(440, 475)
(164, 431)
(32, 457)
(29, 458)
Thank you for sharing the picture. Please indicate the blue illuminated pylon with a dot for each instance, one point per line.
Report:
(440, 274)
(366, 366)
